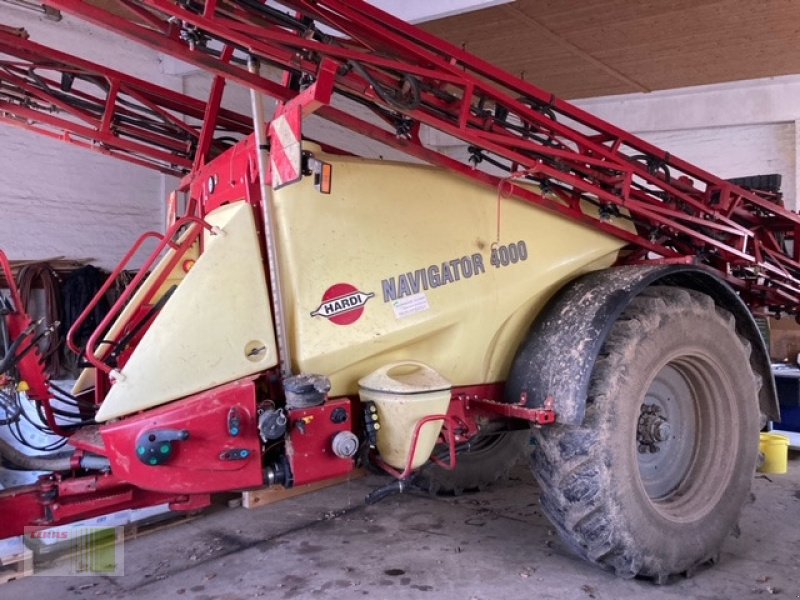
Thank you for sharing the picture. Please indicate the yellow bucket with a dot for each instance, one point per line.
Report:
(405, 392)
(775, 449)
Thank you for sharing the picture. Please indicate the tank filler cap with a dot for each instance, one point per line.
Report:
(405, 377)
(306, 390)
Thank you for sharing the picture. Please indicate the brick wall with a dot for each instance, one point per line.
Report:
(59, 200)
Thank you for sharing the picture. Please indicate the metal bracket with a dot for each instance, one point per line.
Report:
(539, 416)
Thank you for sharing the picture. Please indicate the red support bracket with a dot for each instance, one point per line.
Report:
(447, 435)
(211, 113)
(321, 91)
(30, 367)
(538, 416)
(56, 500)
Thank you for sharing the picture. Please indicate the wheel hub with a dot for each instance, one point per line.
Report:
(666, 432)
(653, 428)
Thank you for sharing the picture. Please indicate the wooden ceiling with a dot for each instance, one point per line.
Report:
(588, 48)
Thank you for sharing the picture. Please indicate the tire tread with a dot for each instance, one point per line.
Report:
(574, 494)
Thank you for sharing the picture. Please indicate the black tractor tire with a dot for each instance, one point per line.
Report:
(482, 461)
(654, 479)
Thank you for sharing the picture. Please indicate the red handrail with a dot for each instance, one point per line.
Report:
(448, 433)
(144, 271)
(71, 344)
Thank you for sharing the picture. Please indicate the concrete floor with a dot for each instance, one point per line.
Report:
(488, 546)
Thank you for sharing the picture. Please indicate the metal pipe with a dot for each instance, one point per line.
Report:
(93, 462)
(268, 216)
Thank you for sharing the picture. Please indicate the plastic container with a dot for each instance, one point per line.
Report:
(405, 392)
(775, 449)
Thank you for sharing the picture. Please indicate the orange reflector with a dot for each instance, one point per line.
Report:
(187, 265)
(323, 177)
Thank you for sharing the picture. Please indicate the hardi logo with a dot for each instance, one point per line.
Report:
(342, 304)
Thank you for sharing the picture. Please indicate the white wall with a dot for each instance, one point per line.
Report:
(733, 130)
(60, 200)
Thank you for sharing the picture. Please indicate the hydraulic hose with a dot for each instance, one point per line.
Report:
(60, 461)
(10, 357)
(411, 89)
(10, 408)
(397, 486)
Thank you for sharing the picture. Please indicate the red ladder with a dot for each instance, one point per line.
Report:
(516, 132)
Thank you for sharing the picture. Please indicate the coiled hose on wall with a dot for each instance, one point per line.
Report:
(48, 280)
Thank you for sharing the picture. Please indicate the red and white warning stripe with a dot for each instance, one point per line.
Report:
(285, 150)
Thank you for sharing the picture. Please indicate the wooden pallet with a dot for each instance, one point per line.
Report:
(150, 525)
(271, 495)
(16, 565)
(133, 526)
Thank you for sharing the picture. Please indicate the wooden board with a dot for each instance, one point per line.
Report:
(16, 565)
(150, 525)
(265, 496)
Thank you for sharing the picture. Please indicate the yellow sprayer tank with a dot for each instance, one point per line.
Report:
(399, 262)
(410, 262)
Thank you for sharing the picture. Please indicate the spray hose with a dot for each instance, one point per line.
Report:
(59, 461)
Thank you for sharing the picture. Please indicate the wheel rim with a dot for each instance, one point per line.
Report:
(683, 465)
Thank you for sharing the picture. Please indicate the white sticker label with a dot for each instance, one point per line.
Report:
(410, 305)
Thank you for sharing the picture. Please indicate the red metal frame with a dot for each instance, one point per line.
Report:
(663, 207)
(117, 115)
(308, 448)
(55, 499)
(538, 137)
(198, 464)
(487, 401)
(31, 367)
(468, 405)
(447, 435)
(537, 416)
